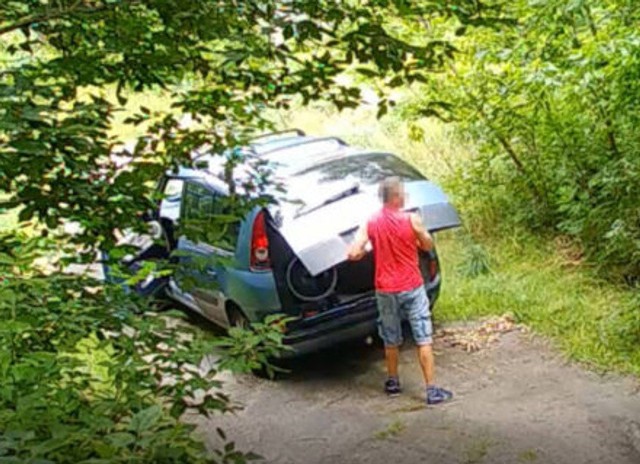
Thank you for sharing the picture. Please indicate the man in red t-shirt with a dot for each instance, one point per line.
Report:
(395, 237)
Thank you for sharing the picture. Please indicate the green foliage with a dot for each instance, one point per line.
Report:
(255, 347)
(86, 379)
(83, 377)
(476, 260)
(75, 383)
(223, 63)
(552, 104)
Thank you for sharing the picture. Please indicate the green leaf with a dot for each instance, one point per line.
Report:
(367, 72)
(8, 297)
(145, 419)
(120, 439)
(50, 445)
(382, 110)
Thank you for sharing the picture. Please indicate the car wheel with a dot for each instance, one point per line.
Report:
(237, 319)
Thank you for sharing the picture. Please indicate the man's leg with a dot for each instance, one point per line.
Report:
(416, 306)
(425, 357)
(391, 354)
(390, 330)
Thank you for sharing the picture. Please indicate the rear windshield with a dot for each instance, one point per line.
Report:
(367, 169)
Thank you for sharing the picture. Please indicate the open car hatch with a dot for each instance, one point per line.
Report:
(321, 236)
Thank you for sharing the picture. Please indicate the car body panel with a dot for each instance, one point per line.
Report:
(339, 324)
(207, 283)
(321, 234)
(225, 281)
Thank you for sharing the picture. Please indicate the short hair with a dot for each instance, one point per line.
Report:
(390, 187)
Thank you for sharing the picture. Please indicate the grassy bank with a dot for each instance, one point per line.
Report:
(492, 269)
(589, 319)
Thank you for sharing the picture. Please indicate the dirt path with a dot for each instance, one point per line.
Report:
(517, 402)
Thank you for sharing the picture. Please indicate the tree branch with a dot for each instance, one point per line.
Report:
(30, 20)
(504, 142)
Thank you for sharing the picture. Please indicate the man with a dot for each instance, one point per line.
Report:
(395, 237)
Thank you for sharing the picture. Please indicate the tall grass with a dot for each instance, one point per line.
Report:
(590, 319)
(492, 268)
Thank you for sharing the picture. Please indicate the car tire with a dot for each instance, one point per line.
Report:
(307, 288)
(237, 318)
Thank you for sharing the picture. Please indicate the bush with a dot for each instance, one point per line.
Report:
(551, 102)
(85, 378)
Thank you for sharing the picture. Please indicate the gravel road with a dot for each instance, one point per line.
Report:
(517, 401)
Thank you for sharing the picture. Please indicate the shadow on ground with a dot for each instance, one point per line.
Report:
(517, 402)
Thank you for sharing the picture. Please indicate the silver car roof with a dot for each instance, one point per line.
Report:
(284, 155)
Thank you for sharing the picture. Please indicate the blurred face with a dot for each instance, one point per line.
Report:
(401, 196)
(396, 196)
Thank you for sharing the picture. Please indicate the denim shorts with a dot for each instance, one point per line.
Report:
(412, 305)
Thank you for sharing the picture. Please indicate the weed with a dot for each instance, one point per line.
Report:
(476, 452)
(528, 456)
(392, 430)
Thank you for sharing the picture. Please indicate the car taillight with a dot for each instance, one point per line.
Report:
(433, 269)
(260, 244)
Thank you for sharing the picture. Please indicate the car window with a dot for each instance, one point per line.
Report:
(206, 217)
(318, 183)
(368, 169)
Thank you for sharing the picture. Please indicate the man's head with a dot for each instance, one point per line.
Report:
(392, 192)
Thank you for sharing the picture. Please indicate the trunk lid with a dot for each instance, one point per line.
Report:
(320, 225)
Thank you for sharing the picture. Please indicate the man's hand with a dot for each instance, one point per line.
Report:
(425, 242)
(358, 247)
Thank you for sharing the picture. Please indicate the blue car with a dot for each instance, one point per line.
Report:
(290, 257)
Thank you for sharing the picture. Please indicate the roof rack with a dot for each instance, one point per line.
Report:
(305, 142)
(248, 150)
(281, 133)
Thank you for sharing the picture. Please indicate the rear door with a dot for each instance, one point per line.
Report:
(204, 256)
(327, 202)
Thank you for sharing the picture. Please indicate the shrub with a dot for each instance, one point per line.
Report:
(86, 377)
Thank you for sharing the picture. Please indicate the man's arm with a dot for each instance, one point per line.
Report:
(425, 242)
(358, 247)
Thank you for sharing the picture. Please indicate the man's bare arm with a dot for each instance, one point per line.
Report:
(425, 242)
(358, 247)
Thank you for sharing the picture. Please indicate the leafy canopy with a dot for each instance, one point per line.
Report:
(223, 62)
(83, 379)
(552, 105)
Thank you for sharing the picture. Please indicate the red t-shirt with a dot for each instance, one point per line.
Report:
(395, 251)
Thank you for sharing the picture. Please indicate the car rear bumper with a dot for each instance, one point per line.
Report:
(337, 325)
(357, 319)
